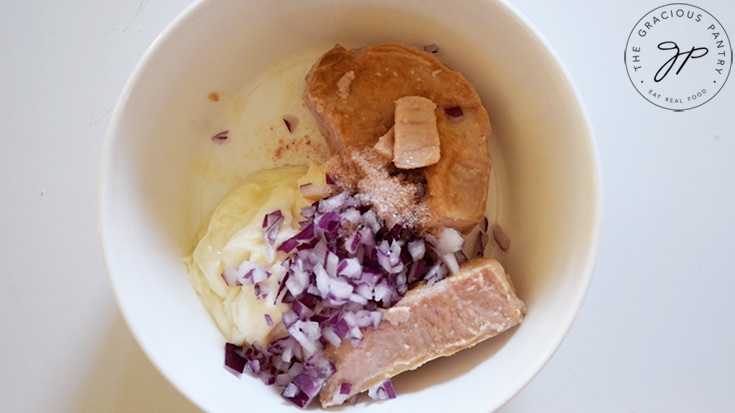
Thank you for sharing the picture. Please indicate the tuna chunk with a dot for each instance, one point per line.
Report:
(416, 138)
(357, 115)
(384, 146)
(457, 185)
(456, 313)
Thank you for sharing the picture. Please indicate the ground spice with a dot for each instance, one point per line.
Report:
(397, 196)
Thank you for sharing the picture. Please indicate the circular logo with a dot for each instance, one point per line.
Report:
(678, 56)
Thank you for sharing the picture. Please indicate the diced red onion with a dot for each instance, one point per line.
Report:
(297, 282)
(365, 319)
(290, 317)
(417, 249)
(290, 122)
(322, 281)
(342, 266)
(261, 291)
(448, 241)
(283, 379)
(290, 391)
(230, 275)
(501, 237)
(296, 396)
(234, 359)
(341, 328)
(382, 391)
(371, 221)
(478, 249)
(268, 320)
(333, 203)
(454, 111)
(319, 366)
(388, 385)
(259, 274)
(312, 190)
(358, 298)
(431, 48)
(343, 394)
(288, 245)
(451, 261)
(308, 212)
(331, 337)
(247, 273)
(307, 384)
(307, 344)
(350, 268)
(331, 263)
(221, 137)
(339, 290)
(296, 369)
(301, 310)
(267, 378)
(271, 222)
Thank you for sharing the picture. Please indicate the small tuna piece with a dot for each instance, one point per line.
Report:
(343, 84)
(384, 146)
(416, 137)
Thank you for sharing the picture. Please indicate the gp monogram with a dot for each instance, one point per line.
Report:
(678, 56)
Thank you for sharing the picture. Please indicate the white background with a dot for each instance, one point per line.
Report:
(656, 332)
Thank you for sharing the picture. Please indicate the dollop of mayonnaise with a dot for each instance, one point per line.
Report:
(233, 234)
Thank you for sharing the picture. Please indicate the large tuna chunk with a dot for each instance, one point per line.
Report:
(458, 312)
(352, 95)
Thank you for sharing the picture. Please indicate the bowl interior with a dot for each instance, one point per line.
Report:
(546, 194)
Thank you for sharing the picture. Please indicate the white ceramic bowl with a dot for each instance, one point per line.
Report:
(546, 182)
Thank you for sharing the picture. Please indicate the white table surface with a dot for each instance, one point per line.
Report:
(656, 332)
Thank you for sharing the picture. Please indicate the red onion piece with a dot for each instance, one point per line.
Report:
(221, 137)
(292, 393)
(454, 112)
(451, 261)
(431, 48)
(307, 384)
(288, 245)
(417, 249)
(246, 274)
(448, 241)
(271, 224)
(230, 275)
(313, 190)
(343, 394)
(331, 337)
(290, 122)
(382, 391)
(234, 359)
(501, 237)
(350, 267)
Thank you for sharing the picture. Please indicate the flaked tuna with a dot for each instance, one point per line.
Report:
(433, 321)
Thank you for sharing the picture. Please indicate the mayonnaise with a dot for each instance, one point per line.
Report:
(234, 234)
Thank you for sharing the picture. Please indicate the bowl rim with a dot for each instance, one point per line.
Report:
(596, 209)
(591, 257)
